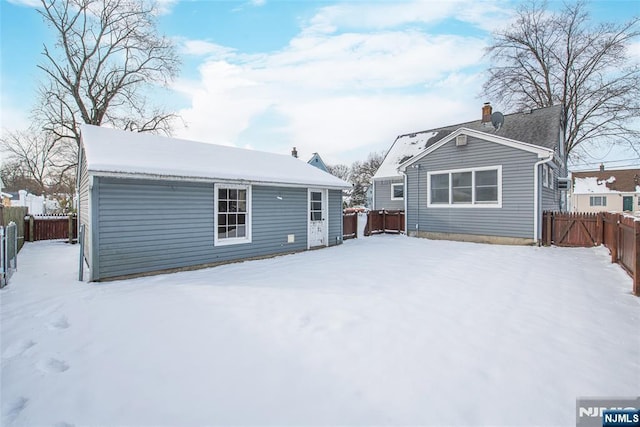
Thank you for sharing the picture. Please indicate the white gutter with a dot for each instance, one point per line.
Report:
(536, 189)
(373, 194)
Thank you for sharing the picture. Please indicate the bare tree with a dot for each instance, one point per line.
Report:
(36, 156)
(547, 58)
(106, 60)
(341, 171)
(360, 177)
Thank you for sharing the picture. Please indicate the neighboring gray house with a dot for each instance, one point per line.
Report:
(316, 161)
(153, 204)
(486, 180)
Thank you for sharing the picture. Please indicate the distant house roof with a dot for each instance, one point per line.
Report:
(605, 181)
(120, 153)
(316, 161)
(539, 127)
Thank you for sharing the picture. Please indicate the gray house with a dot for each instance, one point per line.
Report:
(487, 180)
(153, 204)
(317, 161)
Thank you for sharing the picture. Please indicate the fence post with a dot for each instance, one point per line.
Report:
(31, 228)
(614, 244)
(70, 228)
(636, 265)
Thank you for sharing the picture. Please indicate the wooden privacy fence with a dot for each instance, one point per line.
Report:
(617, 232)
(384, 221)
(349, 225)
(16, 215)
(50, 228)
(378, 222)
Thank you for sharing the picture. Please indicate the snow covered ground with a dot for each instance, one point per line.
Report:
(385, 330)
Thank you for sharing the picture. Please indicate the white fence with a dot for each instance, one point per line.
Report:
(8, 252)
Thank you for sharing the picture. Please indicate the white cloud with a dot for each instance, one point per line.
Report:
(341, 95)
(164, 7)
(29, 3)
(384, 15)
(203, 48)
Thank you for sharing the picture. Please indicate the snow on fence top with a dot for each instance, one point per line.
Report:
(111, 151)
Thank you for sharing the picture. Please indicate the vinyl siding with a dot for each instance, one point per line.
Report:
(513, 219)
(146, 226)
(335, 217)
(83, 204)
(550, 196)
(383, 195)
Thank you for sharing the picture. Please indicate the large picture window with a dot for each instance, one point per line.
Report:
(478, 187)
(232, 216)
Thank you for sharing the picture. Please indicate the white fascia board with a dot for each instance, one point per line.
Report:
(540, 151)
(383, 178)
(138, 175)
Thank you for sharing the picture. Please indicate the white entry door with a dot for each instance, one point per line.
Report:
(317, 218)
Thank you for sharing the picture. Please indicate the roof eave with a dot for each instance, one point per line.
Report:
(539, 150)
(161, 177)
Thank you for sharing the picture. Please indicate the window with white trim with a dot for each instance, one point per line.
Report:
(598, 201)
(478, 187)
(545, 176)
(397, 191)
(232, 214)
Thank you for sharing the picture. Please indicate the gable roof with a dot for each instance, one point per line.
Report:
(536, 149)
(621, 180)
(111, 152)
(540, 127)
(316, 161)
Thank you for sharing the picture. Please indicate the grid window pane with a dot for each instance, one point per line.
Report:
(486, 177)
(461, 187)
(440, 188)
(462, 195)
(487, 186)
(232, 210)
(486, 194)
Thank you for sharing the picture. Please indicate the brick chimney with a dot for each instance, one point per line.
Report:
(486, 112)
(601, 167)
(294, 152)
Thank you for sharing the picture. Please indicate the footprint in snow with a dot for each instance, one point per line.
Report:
(17, 348)
(53, 366)
(13, 408)
(60, 323)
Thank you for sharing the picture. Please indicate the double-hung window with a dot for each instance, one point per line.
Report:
(478, 187)
(233, 214)
(598, 201)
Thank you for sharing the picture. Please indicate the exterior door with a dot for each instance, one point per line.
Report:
(317, 218)
(627, 203)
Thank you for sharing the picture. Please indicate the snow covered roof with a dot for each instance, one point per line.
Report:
(606, 181)
(539, 127)
(116, 152)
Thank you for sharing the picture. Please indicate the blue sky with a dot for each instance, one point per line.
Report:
(339, 78)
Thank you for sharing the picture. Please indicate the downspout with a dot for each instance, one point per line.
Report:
(373, 195)
(536, 196)
(405, 201)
